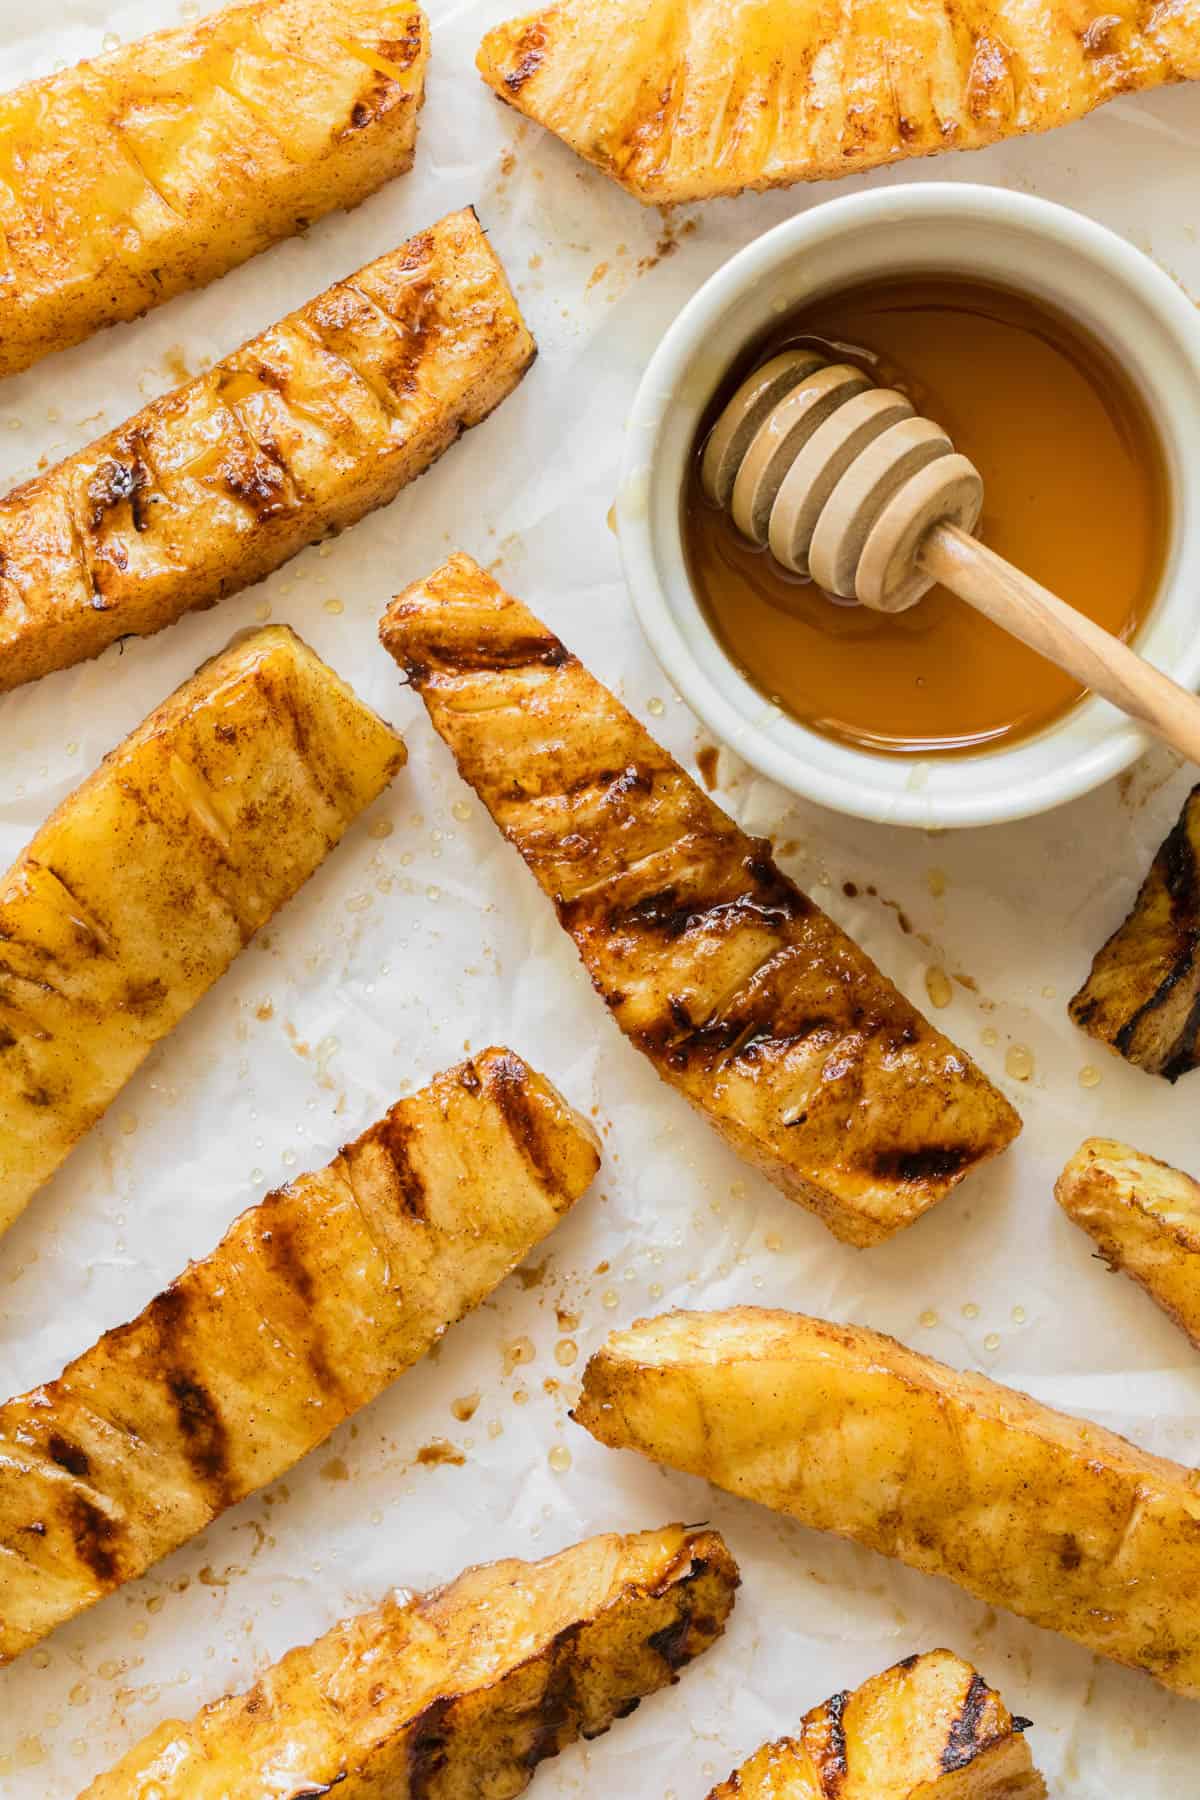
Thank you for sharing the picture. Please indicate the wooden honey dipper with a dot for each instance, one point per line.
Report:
(845, 483)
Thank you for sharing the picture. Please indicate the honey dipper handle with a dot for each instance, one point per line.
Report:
(1064, 636)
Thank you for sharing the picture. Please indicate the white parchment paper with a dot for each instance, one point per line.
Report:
(411, 945)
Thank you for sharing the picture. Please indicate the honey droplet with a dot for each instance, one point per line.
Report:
(462, 811)
(929, 1319)
(519, 1351)
(440, 1454)
(990, 1036)
(1089, 1077)
(521, 1397)
(110, 41)
(609, 1298)
(992, 1341)
(773, 1242)
(433, 893)
(335, 1470)
(970, 1310)
(1019, 1315)
(656, 707)
(1049, 993)
(560, 1459)
(40, 1659)
(1019, 1062)
(566, 1352)
(382, 828)
(612, 518)
(80, 1694)
(262, 611)
(335, 606)
(129, 1125)
(656, 1290)
(495, 1428)
(938, 987)
(265, 1010)
(935, 881)
(466, 1408)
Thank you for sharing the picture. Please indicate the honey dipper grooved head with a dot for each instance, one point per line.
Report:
(839, 477)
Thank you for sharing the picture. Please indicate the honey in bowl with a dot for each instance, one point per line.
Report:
(1076, 495)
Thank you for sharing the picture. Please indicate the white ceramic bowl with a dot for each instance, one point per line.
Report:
(1115, 291)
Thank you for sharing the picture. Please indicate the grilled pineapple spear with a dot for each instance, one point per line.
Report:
(139, 891)
(312, 1304)
(298, 433)
(688, 99)
(929, 1729)
(745, 997)
(1142, 997)
(1145, 1217)
(1049, 1516)
(129, 179)
(460, 1693)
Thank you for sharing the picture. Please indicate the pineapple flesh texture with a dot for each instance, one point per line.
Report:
(460, 1693)
(312, 1304)
(297, 434)
(139, 891)
(1052, 1517)
(682, 100)
(160, 166)
(742, 993)
(929, 1729)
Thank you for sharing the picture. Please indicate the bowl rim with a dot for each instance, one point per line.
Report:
(847, 788)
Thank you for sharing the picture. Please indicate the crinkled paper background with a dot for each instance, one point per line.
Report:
(411, 945)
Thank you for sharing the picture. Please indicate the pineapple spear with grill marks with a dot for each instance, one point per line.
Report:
(460, 1693)
(683, 100)
(314, 1302)
(299, 433)
(160, 166)
(139, 891)
(929, 1729)
(743, 994)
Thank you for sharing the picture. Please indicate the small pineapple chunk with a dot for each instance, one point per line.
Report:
(929, 1729)
(139, 891)
(1145, 1217)
(1142, 997)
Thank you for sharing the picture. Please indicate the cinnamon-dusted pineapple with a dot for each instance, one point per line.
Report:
(929, 1729)
(311, 1305)
(845, 1430)
(742, 993)
(1145, 1219)
(162, 165)
(299, 433)
(1142, 997)
(460, 1693)
(140, 889)
(688, 99)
